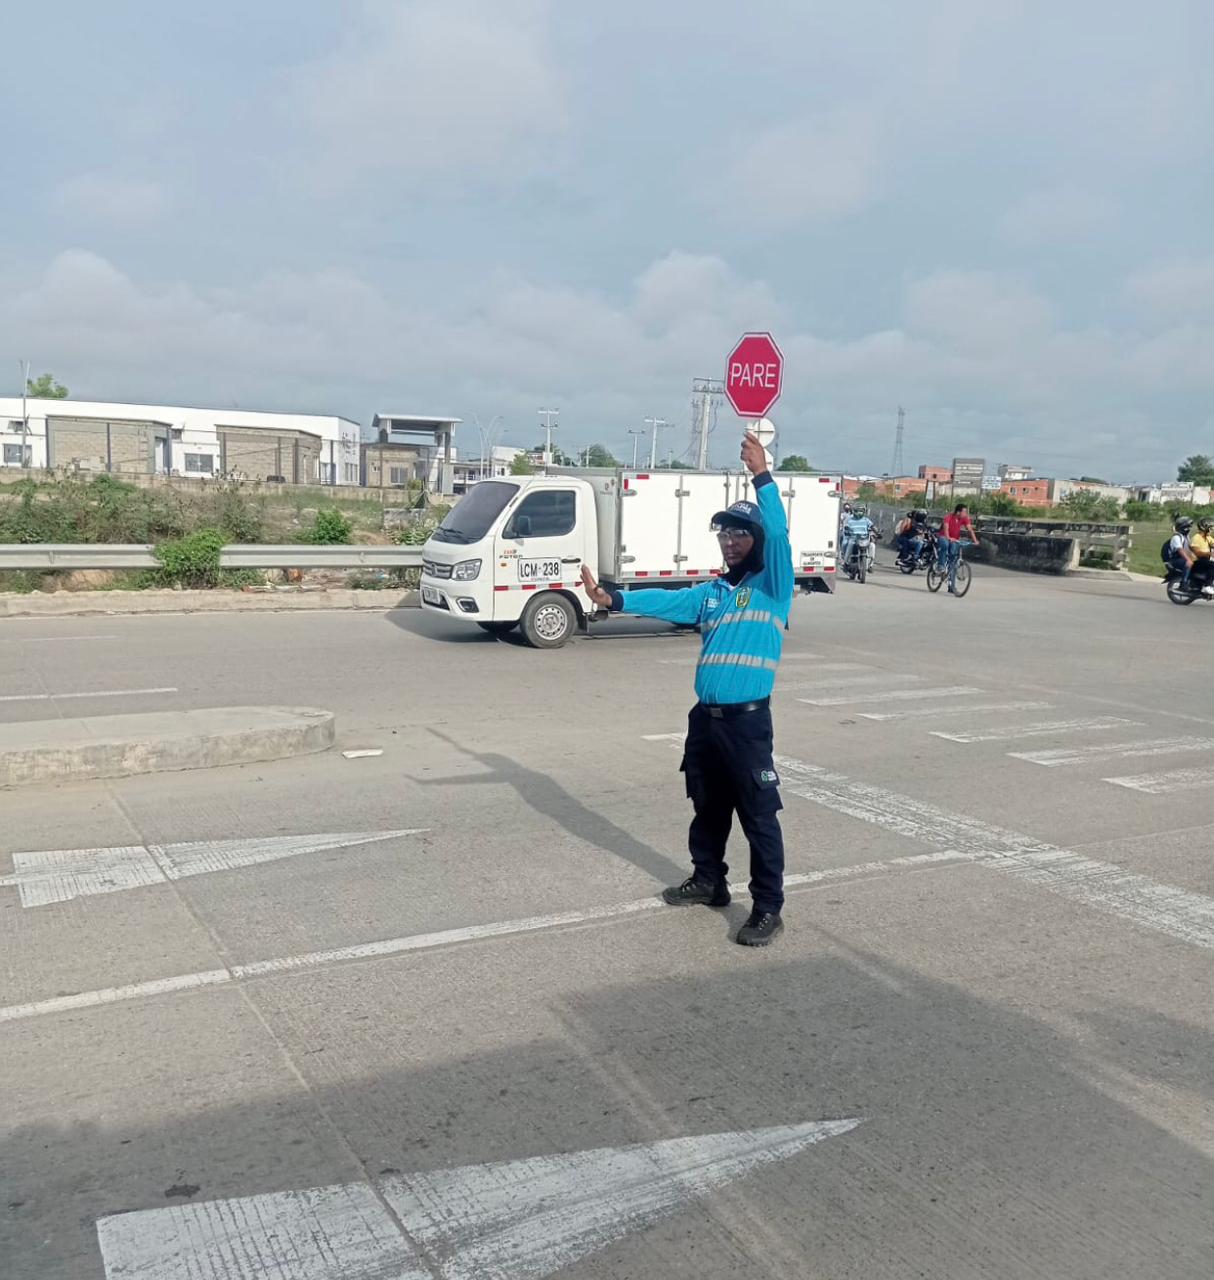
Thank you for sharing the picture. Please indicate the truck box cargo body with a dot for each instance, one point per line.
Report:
(511, 552)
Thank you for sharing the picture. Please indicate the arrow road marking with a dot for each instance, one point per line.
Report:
(514, 1220)
(60, 875)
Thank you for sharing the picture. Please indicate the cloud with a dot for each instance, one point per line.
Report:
(1059, 215)
(103, 197)
(980, 360)
(465, 88)
(1180, 288)
(815, 168)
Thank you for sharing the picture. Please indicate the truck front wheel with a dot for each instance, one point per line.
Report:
(548, 621)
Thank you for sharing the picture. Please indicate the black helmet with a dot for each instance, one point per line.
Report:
(1205, 524)
(1182, 523)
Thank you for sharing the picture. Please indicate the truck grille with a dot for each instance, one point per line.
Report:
(432, 570)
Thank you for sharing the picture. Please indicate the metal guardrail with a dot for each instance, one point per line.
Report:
(51, 555)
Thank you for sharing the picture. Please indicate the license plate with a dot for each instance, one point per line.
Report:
(431, 596)
(539, 571)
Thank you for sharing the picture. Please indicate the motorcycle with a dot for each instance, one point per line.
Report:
(1182, 589)
(860, 558)
(925, 558)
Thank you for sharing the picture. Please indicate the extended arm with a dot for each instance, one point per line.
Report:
(684, 605)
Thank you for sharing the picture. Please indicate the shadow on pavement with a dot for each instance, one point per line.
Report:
(986, 1150)
(547, 797)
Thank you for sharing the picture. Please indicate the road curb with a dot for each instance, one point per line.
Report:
(121, 746)
(65, 604)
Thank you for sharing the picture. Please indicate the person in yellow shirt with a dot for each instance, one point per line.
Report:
(1201, 544)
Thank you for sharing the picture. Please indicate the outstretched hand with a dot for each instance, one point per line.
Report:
(754, 455)
(593, 590)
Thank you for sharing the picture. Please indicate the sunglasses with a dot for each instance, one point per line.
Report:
(734, 535)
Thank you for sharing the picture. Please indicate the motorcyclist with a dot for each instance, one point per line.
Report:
(1201, 548)
(1180, 557)
(912, 529)
(857, 525)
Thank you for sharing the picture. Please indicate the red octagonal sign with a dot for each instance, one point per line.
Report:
(753, 375)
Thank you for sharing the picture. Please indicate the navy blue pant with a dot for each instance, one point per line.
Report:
(729, 769)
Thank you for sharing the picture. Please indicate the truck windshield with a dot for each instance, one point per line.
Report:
(470, 518)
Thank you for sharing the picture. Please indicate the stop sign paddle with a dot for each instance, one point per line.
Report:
(753, 375)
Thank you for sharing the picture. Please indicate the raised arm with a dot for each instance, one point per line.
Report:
(777, 576)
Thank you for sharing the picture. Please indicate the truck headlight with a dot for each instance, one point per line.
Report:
(466, 570)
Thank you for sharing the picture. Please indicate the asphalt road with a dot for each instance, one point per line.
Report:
(419, 1014)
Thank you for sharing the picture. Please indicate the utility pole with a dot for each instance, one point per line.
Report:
(657, 424)
(636, 434)
(549, 427)
(705, 392)
(24, 366)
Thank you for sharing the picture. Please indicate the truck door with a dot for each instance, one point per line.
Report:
(541, 545)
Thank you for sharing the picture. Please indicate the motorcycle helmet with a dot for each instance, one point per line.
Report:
(859, 510)
(1205, 524)
(1182, 524)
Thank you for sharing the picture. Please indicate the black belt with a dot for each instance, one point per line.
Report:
(728, 710)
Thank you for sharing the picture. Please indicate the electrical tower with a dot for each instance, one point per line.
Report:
(705, 395)
(899, 462)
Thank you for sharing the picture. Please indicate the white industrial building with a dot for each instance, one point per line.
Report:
(156, 439)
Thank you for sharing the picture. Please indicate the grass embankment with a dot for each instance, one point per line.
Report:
(187, 526)
(1144, 553)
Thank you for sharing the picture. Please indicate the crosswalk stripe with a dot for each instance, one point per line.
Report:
(890, 695)
(1056, 756)
(1169, 780)
(954, 711)
(1005, 732)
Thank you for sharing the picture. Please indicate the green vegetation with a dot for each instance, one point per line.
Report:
(794, 462)
(44, 387)
(330, 528)
(521, 466)
(1198, 468)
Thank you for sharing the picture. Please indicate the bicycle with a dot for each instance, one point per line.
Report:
(937, 577)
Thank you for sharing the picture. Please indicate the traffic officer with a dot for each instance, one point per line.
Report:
(727, 759)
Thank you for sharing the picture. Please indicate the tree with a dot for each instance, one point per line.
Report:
(1003, 504)
(794, 462)
(1196, 469)
(44, 387)
(520, 465)
(1084, 504)
(559, 459)
(598, 456)
(866, 492)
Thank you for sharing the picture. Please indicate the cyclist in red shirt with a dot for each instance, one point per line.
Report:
(952, 527)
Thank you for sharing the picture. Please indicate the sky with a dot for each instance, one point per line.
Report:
(994, 213)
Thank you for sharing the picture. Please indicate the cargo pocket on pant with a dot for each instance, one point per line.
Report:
(694, 783)
(765, 790)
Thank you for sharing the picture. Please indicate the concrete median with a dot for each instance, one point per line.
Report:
(117, 746)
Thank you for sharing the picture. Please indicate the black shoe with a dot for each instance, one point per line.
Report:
(761, 929)
(695, 893)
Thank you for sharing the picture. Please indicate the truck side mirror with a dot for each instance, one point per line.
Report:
(520, 527)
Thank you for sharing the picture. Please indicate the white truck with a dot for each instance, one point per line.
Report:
(510, 552)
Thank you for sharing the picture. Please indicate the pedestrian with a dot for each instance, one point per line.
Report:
(727, 758)
(951, 529)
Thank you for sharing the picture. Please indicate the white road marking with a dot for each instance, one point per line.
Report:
(1177, 913)
(54, 639)
(827, 683)
(60, 875)
(954, 711)
(511, 1220)
(417, 942)
(92, 693)
(1113, 750)
(1168, 780)
(894, 695)
(1007, 732)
